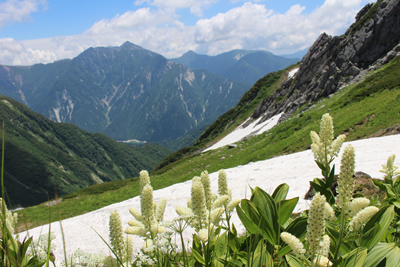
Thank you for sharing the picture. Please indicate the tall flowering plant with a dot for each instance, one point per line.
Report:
(325, 149)
(205, 213)
(355, 227)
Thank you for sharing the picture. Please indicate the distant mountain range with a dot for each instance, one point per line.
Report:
(42, 157)
(331, 64)
(126, 92)
(246, 66)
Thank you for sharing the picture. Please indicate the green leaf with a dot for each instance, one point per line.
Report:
(393, 258)
(284, 250)
(268, 221)
(389, 191)
(333, 232)
(243, 212)
(221, 245)
(293, 261)
(355, 258)
(298, 227)
(380, 252)
(397, 203)
(324, 170)
(261, 257)
(198, 257)
(379, 184)
(285, 209)
(376, 227)
(255, 221)
(242, 256)
(318, 186)
(265, 202)
(331, 178)
(280, 192)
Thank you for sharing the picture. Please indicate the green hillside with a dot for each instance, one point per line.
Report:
(360, 111)
(42, 157)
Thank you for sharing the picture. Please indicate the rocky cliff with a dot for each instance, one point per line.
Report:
(333, 62)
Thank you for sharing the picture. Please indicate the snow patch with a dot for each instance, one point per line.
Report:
(238, 56)
(295, 169)
(190, 77)
(57, 113)
(292, 73)
(240, 132)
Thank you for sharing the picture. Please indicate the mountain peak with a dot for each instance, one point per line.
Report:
(130, 45)
(333, 62)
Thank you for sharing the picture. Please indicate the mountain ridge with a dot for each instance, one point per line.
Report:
(246, 66)
(41, 154)
(104, 88)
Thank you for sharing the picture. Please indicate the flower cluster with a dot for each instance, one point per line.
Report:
(83, 259)
(346, 178)
(141, 259)
(116, 234)
(358, 204)
(40, 247)
(205, 207)
(362, 217)
(122, 247)
(323, 146)
(389, 169)
(329, 212)
(294, 243)
(324, 245)
(10, 218)
(316, 222)
(322, 261)
(147, 223)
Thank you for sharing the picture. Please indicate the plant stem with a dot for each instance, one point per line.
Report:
(185, 263)
(340, 235)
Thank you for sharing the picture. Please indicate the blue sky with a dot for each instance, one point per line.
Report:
(40, 31)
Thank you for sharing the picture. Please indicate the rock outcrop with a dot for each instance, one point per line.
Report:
(333, 62)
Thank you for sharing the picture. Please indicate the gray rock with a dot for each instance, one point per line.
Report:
(332, 62)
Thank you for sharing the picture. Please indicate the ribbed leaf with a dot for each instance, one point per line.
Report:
(298, 227)
(285, 209)
(331, 178)
(293, 261)
(253, 218)
(319, 186)
(379, 184)
(198, 257)
(261, 257)
(355, 258)
(221, 245)
(280, 192)
(393, 259)
(379, 252)
(243, 212)
(266, 206)
(377, 226)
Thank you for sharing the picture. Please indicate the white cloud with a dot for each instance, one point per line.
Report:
(196, 6)
(15, 10)
(13, 52)
(250, 26)
(144, 17)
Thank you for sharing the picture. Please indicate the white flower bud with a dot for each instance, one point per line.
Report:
(362, 217)
(294, 243)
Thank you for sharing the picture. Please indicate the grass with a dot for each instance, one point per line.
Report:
(359, 111)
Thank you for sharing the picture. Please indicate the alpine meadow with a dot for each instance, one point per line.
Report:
(122, 157)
